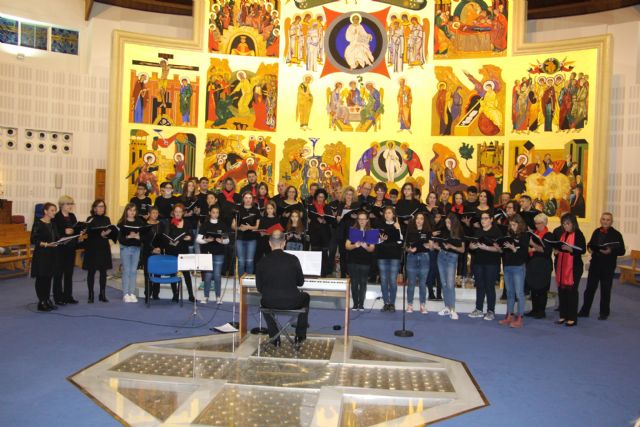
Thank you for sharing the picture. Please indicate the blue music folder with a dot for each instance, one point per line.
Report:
(370, 237)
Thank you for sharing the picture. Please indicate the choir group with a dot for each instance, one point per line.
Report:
(369, 235)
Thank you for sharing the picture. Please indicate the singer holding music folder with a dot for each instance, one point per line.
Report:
(606, 245)
(539, 267)
(44, 264)
(97, 250)
(130, 238)
(278, 277)
(66, 225)
(361, 243)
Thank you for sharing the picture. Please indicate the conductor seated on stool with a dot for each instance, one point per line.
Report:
(278, 277)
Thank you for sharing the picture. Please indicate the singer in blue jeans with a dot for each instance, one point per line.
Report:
(449, 251)
(129, 239)
(418, 261)
(388, 253)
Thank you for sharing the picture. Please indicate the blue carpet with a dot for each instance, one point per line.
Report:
(542, 375)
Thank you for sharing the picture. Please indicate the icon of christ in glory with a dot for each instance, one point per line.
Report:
(357, 53)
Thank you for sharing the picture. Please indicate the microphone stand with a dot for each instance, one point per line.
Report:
(404, 332)
(234, 262)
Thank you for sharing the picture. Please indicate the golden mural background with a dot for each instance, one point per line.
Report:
(351, 77)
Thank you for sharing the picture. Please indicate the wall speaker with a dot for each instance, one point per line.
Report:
(67, 137)
(54, 136)
(11, 144)
(41, 147)
(28, 133)
(28, 146)
(42, 135)
(11, 132)
(66, 149)
(54, 148)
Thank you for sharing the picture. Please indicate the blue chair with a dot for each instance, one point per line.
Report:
(162, 269)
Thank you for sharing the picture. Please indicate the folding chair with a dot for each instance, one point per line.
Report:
(283, 328)
(161, 269)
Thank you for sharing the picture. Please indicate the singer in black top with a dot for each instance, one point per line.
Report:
(213, 237)
(151, 245)
(130, 239)
(278, 277)
(97, 251)
(388, 253)
(360, 258)
(569, 267)
(486, 266)
(346, 217)
(320, 228)
(436, 219)
(66, 225)
(606, 245)
(407, 206)
(290, 204)
(165, 202)
(44, 263)
(191, 206)
(246, 222)
(539, 267)
(142, 201)
(514, 257)
(294, 232)
(267, 221)
(418, 263)
(177, 240)
(378, 205)
(252, 184)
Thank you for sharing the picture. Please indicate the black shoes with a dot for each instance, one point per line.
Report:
(539, 316)
(42, 306)
(299, 340)
(385, 307)
(59, 302)
(530, 314)
(191, 298)
(51, 304)
(102, 298)
(583, 314)
(603, 317)
(275, 343)
(175, 298)
(71, 300)
(392, 308)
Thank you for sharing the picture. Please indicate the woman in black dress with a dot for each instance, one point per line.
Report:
(97, 253)
(569, 267)
(151, 245)
(407, 206)
(178, 239)
(319, 227)
(290, 204)
(66, 225)
(44, 264)
(539, 267)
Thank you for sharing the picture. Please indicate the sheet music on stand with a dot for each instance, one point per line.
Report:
(195, 262)
(311, 261)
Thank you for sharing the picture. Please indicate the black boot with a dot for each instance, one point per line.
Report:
(102, 297)
(90, 287)
(432, 296)
(174, 289)
(190, 292)
(42, 306)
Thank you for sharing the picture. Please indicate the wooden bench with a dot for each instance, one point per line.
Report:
(17, 241)
(628, 273)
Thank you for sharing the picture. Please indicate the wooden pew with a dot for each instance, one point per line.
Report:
(628, 273)
(17, 241)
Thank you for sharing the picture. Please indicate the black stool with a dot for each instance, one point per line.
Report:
(283, 328)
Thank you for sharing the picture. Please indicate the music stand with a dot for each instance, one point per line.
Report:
(193, 263)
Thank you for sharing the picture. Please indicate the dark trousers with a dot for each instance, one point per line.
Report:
(603, 275)
(43, 288)
(63, 281)
(568, 298)
(301, 325)
(91, 277)
(325, 269)
(433, 279)
(187, 281)
(333, 249)
(358, 274)
(462, 263)
(486, 276)
(343, 258)
(538, 301)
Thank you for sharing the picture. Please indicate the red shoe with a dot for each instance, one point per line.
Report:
(507, 320)
(517, 323)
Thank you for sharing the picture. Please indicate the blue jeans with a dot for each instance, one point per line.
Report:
(129, 257)
(447, 266)
(389, 269)
(514, 283)
(294, 246)
(418, 265)
(486, 276)
(246, 251)
(215, 274)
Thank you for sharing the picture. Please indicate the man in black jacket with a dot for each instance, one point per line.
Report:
(278, 277)
(252, 184)
(606, 245)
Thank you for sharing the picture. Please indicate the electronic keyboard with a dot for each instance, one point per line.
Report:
(310, 283)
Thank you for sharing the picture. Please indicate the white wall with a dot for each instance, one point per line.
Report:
(624, 141)
(64, 93)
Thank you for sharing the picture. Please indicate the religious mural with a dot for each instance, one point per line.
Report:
(553, 175)
(301, 165)
(389, 161)
(163, 93)
(355, 105)
(244, 28)
(241, 98)
(470, 28)
(407, 41)
(304, 42)
(473, 106)
(232, 156)
(156, 158)
(457, 166)
(552, 97)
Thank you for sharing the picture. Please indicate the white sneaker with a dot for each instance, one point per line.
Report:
(476, 314)
(204, 300)
(133, 298)
(444, 312)
(453, 315)
(126, 298)
(219, 301)
(489, 316)
(410, 308)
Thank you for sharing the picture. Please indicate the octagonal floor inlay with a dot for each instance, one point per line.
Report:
(219, 381)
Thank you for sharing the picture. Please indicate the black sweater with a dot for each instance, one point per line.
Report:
(481, 256)
(521, 255)
(391, 248)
